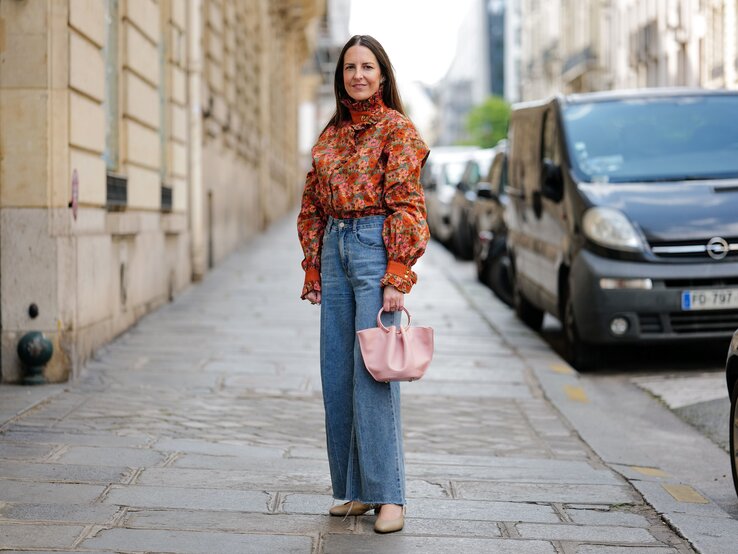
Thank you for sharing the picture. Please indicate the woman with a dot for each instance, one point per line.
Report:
(362, 226)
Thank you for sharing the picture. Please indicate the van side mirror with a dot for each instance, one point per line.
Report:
(552, 181)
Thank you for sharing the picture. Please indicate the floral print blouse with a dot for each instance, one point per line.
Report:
(369, 166)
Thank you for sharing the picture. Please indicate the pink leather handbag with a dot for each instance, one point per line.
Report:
(396, 354)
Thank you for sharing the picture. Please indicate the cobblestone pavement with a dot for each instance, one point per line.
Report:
(201, 430)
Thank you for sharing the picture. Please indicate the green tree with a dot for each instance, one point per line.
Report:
(487, 123)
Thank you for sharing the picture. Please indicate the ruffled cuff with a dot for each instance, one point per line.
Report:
(399, 276)
(312, 282)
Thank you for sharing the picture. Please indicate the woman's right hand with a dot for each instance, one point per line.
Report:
(313, 297)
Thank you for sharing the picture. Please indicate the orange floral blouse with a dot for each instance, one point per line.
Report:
(369, 166)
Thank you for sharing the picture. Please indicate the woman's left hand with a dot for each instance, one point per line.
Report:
(394, 300)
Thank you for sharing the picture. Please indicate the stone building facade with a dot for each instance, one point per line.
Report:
(141, 141)
(619, 44)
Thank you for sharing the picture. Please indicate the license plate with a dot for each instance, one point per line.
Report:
(710, 299)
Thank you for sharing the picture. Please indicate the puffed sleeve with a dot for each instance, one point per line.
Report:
(311, 223)
(405, 230)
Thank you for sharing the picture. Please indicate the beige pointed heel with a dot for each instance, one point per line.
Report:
(390, 525)
(351, 509)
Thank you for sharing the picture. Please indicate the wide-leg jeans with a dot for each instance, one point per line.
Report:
(362, 416)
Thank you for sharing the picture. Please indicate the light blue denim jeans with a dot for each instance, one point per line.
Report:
(362, 416)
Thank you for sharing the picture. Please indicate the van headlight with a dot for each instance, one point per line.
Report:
(610, 228)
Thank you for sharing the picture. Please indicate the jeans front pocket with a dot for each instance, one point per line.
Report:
(371, 237)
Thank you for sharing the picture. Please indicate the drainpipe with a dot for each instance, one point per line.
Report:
(194, 138)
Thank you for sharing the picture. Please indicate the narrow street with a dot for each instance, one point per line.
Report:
(201, 430)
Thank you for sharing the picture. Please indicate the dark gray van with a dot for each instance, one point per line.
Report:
(623, 216)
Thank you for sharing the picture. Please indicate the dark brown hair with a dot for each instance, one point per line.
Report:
(390, 94)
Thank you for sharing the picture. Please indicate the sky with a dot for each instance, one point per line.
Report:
(419, 36)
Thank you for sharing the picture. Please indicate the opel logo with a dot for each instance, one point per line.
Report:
(717, 248)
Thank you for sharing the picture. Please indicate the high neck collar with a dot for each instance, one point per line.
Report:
(362, 110)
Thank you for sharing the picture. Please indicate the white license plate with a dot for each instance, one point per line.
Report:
(710, 299)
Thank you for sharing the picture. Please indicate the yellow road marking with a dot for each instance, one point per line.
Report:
(685, 493)
(652, 471)
(576, 393)
(561, 368)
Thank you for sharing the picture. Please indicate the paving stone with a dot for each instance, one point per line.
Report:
(68, 513)
(438, 527)
(603, 549)
(236, 479)
(614, 517)
(549, 492)
(195, 461)
(189, 542)
(188, 498)
(416, 488)
(218, 449)
(473, 390)
(105, 456)
(400, 544)
(11, 451)
(438, 509)
(36, 536)
(14, 399)
(48, 493)
(516, 470)
(44, 436)
(62, 472)
(202, 520)
(585, 533)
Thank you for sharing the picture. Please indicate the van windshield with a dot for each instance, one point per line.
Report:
(654, 139)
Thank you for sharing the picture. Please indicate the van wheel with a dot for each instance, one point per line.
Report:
(733, 445)
(500, 279)
(583, 356)
(482, 265)
(526, 312)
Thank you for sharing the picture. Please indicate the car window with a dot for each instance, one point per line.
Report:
(472, 174)
(654, 139)
(495, 173)
(503, 177)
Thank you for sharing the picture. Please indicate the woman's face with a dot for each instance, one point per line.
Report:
(361, 73)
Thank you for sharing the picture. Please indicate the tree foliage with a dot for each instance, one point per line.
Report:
(487, 123)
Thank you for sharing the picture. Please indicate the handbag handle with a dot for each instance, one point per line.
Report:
(381, 325)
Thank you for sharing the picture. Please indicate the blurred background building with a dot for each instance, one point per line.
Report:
(318, 101)
(141, 141)
(477, 70)
(589, 45)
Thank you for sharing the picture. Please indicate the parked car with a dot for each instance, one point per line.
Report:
(440, 175)
(490, 229)
(462, 230)
(731, 375)
(622, 216)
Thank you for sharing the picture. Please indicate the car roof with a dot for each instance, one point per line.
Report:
(626, 94)
(655, 92)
